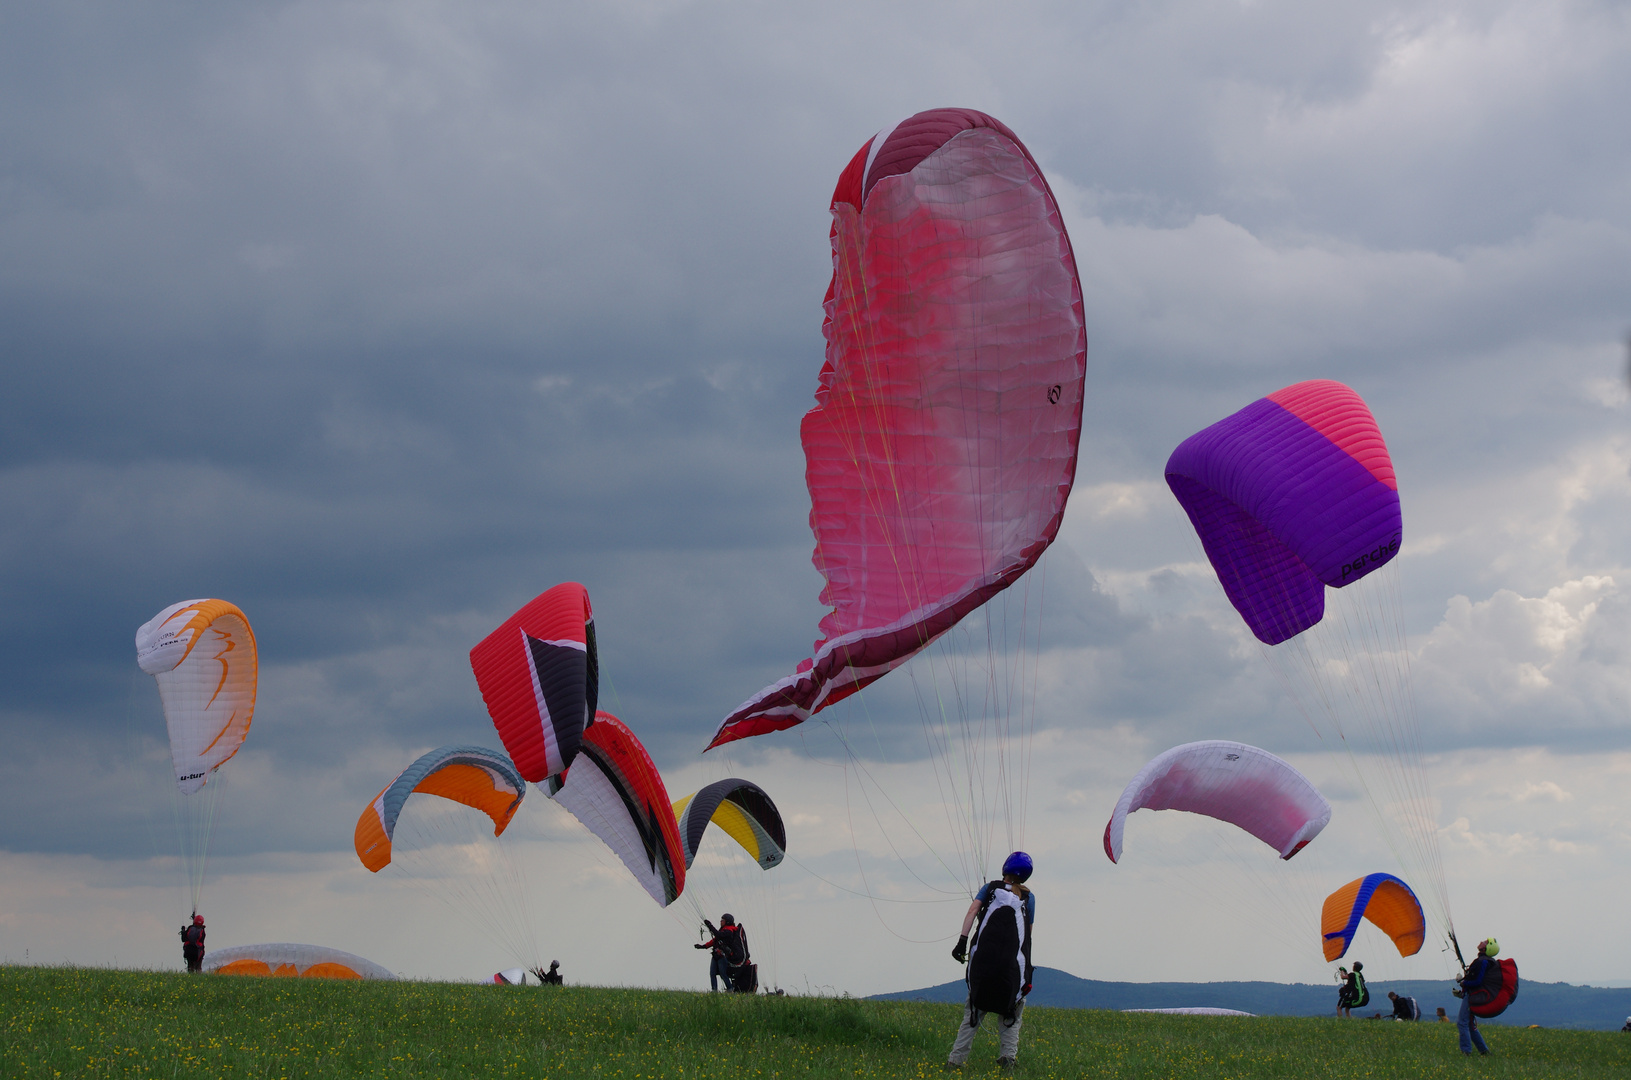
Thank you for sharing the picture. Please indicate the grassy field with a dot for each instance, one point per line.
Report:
(94, 1023)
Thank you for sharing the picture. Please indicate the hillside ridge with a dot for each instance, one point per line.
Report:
(1560, 1005)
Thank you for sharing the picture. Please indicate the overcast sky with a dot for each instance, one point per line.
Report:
(378, 319)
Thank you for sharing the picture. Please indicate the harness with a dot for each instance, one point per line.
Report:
(998, 968)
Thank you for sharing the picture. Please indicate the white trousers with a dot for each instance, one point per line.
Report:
(1007, 1034)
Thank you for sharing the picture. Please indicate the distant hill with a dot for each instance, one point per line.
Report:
(1557, 1005)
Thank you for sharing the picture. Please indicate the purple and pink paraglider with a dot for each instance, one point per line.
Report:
(1292, 493)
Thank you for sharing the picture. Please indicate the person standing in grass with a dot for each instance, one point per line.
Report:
(999, 960)
(192, 943)
(730, 947)
(1473, 978)
(1354, 993)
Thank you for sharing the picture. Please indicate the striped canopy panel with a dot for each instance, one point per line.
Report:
(1292, 493)
(540, 677)
(942, 445)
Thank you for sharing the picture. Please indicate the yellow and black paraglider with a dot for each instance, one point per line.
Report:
(743, 811)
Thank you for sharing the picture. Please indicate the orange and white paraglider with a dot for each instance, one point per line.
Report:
(202, 655)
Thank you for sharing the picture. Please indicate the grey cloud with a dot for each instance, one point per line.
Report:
(380, 320)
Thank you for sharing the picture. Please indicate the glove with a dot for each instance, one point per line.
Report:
(1458, 992)
(699, 946)
(959, 951)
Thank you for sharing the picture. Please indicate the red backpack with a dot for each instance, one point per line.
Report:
(1500, 989)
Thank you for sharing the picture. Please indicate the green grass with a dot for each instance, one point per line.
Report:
(95, 1023)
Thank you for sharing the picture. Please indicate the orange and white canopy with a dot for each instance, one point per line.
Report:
(289, 960)
(202, 653)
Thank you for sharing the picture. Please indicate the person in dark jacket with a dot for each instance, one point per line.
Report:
(1404, 1008)
(192, 943)
(552, 977)
(1354, 993)
(1016, 870)
(1465, 1022)
(730, 947)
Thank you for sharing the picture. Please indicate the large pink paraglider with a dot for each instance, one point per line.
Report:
(1230, 781)
(943, 442)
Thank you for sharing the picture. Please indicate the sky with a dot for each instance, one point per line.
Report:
(378, 319)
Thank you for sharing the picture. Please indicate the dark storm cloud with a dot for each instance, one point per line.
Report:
(377, 328)
(380, 319)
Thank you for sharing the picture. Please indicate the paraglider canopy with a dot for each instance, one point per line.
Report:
(1383, 899)
(613, 788)
(540, 677)
(1230, 781)
(743, 811)
(471, 775)
(943, 442)
(1292, 493)
(286, 959)
(202, 654)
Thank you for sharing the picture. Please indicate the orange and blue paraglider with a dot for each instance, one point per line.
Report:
(471, 775)
(1386, 901)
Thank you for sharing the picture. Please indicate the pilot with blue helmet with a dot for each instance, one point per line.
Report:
(1016, 870)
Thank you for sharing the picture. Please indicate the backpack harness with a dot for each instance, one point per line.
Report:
(998, 969)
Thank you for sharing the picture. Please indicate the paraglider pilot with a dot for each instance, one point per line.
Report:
(1466, 1023)
(1404, 1008)
(1354, 993)
(730, 947)
(999, 959)
(192, 943)
(552, 977)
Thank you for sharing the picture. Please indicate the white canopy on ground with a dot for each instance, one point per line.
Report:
(288, 959)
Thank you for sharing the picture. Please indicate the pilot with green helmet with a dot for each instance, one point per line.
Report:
(1473, 979)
